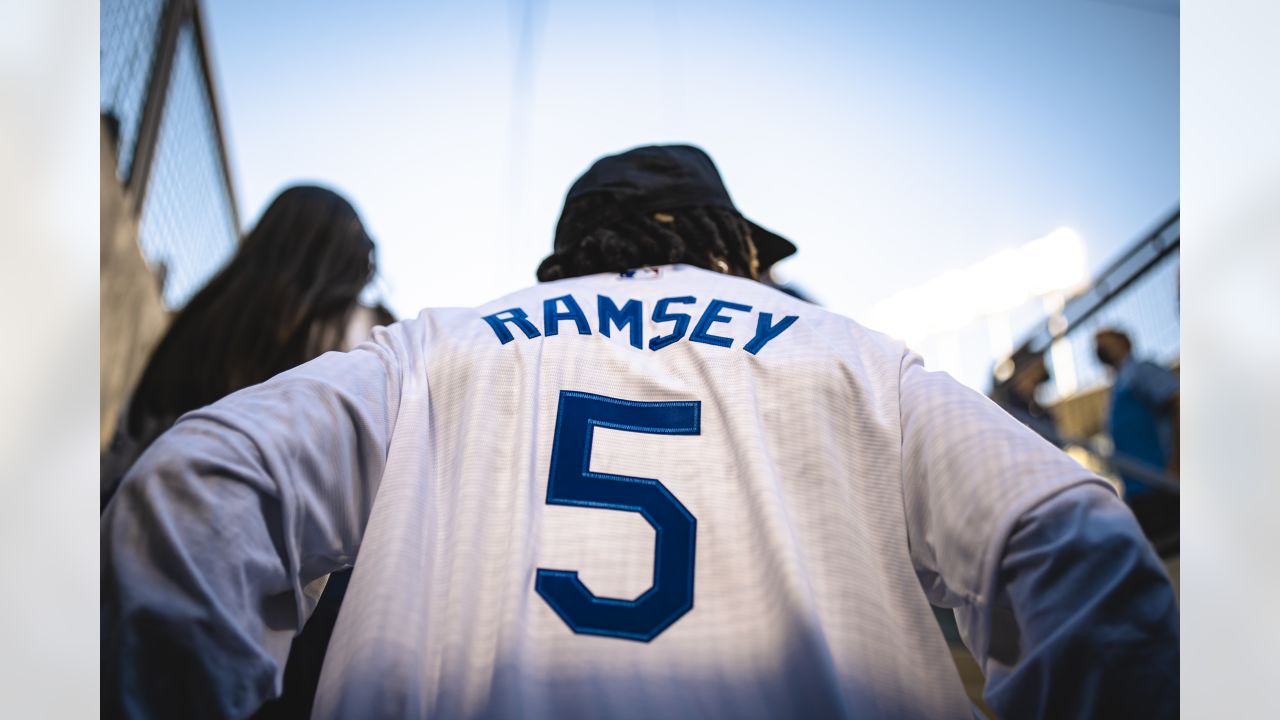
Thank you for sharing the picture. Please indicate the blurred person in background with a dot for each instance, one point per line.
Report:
(1024, 372)
(828, 485)
(288, 295)
(1144, 427)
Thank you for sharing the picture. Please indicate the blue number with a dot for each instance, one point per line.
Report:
(675, 529)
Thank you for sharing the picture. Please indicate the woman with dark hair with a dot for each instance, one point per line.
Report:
(286, 297)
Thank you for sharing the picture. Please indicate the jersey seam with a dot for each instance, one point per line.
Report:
(902, 486)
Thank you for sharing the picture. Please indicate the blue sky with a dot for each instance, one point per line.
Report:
(891, 141)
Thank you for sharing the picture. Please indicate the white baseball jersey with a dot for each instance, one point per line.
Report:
(665, 493)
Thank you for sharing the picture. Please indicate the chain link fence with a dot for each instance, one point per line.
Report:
(129, 34)
(157, 92)
(187, 230)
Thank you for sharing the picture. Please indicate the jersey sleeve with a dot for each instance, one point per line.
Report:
(1097, 622)
(969, 472)
(214, 550)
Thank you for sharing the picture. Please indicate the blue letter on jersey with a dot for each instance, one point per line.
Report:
(516, 316)
(660, 314)
(551, 317)
(572, 483)
(631, 314)
(766, 331)
(712, 315)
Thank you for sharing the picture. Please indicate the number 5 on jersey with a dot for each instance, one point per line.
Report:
(675, 530)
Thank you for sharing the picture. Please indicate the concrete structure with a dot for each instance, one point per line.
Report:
(131, 315)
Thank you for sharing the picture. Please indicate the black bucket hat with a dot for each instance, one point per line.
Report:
(658, 178)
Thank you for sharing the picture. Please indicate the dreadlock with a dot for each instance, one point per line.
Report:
(612, 240)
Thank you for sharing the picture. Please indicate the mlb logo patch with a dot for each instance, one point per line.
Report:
(647, 273)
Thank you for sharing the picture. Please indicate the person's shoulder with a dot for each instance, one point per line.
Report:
(1146, 372)
(733, 286)
(436, 314)
(1156, 382)
(1148, 367)
(844, 333)
(538, 292)
(462, 320)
